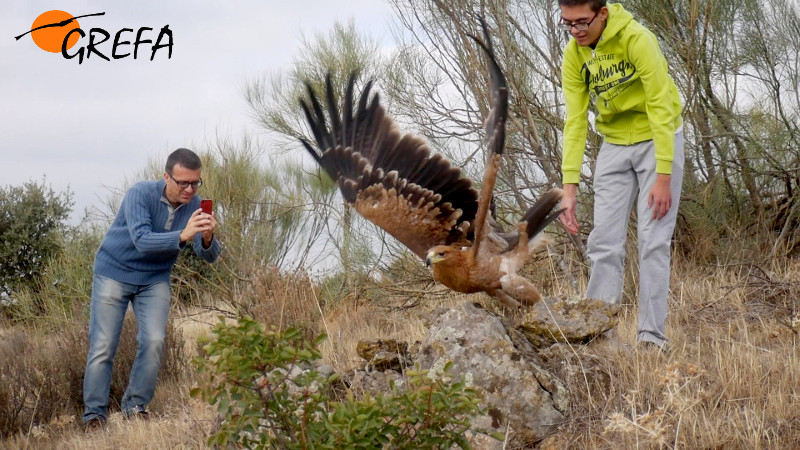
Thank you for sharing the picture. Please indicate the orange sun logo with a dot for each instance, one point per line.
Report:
(57, 31)
(50, 28)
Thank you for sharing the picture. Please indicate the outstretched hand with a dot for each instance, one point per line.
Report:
(569, 202)
(660, 198)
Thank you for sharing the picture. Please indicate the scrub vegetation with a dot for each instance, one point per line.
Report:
(296, 259)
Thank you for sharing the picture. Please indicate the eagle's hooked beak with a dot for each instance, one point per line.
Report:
(432, 258)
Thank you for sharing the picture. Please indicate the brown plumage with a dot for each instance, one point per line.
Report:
(423, 200)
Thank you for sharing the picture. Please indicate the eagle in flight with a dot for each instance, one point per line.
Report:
(421, 199)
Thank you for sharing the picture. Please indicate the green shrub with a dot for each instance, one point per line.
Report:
(31, 218)
(63, 289)
(268, 395)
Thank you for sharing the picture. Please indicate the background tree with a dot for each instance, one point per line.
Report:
(736, 65)
(31, 218)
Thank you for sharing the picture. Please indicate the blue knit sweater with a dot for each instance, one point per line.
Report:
(143, 242)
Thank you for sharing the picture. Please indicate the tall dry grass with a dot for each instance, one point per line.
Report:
(732, 377)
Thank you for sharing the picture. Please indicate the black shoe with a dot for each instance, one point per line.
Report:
(95, 424)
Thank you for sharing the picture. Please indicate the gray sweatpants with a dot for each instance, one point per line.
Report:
(622, 174)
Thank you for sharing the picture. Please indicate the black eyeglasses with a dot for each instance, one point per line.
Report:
(580, 26)
(185, 184)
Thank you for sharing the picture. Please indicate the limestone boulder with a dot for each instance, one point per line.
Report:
(520, 398)
(564, 320)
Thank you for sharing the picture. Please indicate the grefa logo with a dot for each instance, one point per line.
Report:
(59, 31)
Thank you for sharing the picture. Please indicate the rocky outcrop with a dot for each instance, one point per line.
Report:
(520, 397)
(500, 357)
(566, 320)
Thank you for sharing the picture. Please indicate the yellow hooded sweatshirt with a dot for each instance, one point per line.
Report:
(636, 98)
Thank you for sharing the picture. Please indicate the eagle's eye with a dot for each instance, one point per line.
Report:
(441, 253)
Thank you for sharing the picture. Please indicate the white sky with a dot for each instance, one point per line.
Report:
(95, 124)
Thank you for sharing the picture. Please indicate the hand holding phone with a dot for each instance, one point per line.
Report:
(206, 205)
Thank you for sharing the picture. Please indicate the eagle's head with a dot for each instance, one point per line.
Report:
(439, 254)
(451, 267)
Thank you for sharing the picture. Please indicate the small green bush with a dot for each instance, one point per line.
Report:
(63, 289)
(31, 219)
(269, 396)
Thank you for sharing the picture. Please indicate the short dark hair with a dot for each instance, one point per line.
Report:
(596, 4)
(185, 158)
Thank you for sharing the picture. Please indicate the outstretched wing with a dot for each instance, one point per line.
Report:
(391, 179)
(496, 136)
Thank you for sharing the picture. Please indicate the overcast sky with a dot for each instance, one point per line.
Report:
(90, 125)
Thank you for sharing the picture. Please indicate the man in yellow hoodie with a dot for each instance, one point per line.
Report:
(617, 62)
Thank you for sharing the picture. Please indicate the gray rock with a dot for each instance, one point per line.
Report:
(520, 398)
(563, 320)
(373, 383)
(325, 370)
(295, 372)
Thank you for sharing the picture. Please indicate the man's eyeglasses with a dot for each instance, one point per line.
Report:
(580, 26)
(185, 184)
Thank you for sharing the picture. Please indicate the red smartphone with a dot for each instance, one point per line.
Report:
(205, 205)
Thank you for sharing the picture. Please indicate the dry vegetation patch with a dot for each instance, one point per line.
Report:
(732, 378)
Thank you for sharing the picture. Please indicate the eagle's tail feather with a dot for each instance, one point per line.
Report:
(536, 219)
(541, 214)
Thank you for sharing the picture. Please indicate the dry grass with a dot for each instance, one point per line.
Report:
(185, 425)
(731, 380)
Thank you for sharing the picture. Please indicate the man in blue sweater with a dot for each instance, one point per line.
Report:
(155, 221)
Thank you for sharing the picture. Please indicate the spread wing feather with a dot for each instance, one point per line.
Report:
(391, 179)
(496, 136)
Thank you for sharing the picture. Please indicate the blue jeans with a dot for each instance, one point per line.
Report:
(110, 300)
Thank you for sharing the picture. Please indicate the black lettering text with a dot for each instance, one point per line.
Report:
(139, 40)
(79, 53)
(164, 32)
(92, 44)
(118, 43)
